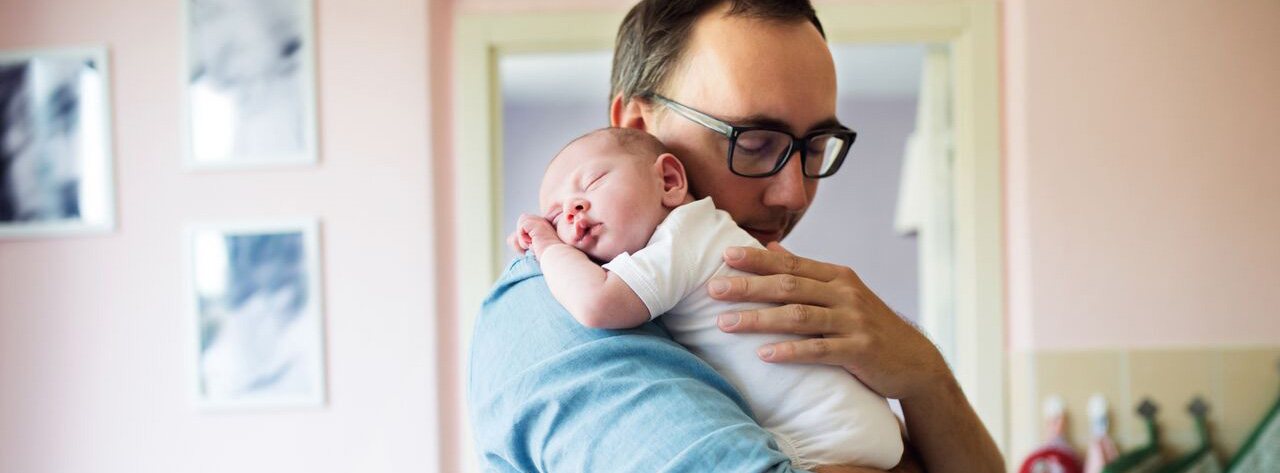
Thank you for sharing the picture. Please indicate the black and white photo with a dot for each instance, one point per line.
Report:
(257, 318)
(249, 83)
(55, 143)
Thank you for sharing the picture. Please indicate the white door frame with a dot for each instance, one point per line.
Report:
(970, 29)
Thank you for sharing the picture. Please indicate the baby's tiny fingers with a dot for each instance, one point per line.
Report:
(514, 242)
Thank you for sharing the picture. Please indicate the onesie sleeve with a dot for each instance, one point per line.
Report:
(659, 273)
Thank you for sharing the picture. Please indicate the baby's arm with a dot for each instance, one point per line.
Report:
(596, 297)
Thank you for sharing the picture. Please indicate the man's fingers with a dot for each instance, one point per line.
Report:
(777, 247)
(777, 288)
(764, 262)
(814, 350)
(799, 319)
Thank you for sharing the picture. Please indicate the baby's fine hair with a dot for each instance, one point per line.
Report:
(638, 143)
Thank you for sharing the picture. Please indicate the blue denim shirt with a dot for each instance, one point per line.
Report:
(549, 395)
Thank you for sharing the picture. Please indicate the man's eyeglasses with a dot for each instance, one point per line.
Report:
(762, 151)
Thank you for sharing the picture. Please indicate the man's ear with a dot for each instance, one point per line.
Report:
(632, 113)
(675, 186)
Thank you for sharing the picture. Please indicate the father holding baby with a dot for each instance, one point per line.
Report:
(550, 395)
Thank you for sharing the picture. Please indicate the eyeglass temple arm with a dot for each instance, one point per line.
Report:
(702, 118)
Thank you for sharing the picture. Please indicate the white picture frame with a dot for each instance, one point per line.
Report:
(248, 84)
(56, 152)
(255, 341)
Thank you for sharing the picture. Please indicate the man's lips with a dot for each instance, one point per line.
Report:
(765, 235)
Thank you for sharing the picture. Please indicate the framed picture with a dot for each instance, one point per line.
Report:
(249, 83)
(55, 143)
(256, 310)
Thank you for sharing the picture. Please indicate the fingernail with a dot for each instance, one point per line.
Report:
(729, 320)
(719, 286)
(765, 352)
(734, 254)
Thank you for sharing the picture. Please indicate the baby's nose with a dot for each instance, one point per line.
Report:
(576, 207)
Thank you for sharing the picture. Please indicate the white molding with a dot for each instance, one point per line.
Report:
(971, 30)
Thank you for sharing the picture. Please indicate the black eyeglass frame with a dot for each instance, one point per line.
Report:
(733, 132)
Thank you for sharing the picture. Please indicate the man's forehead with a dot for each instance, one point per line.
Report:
(750, 71)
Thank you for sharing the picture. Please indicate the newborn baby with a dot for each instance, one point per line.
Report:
(616, 196)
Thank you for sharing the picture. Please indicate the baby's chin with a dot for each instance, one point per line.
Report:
(609, 247)
(601, 256)
(605, 251)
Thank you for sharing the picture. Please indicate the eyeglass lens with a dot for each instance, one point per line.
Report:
(758, 152)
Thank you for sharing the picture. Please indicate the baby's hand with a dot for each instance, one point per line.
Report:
(535, 233)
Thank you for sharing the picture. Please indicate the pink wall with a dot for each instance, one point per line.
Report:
(1142, 165)
(93, 331)
(1141, 212)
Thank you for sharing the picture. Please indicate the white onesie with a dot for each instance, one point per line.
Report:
(819, 414)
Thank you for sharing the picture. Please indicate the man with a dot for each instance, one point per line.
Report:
(550, 395)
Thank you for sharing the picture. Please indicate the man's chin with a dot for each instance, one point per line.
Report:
(766, 236)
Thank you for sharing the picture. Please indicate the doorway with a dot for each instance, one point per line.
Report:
(507, 150)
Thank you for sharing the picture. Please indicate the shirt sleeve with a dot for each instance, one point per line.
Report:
(546, 394)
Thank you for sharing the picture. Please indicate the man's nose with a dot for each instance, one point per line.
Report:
(575, 207)
(787, 187)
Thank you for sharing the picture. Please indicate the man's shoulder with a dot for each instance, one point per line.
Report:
(521, 325)
(520, 306)
(547, 394)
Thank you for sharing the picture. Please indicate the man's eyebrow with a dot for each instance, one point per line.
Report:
(775, 123)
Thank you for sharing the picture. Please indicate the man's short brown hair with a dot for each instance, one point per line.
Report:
(654, 34)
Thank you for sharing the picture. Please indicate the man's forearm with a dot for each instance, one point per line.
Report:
(947, 434)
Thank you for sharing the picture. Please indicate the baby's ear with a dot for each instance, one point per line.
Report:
(675, 187)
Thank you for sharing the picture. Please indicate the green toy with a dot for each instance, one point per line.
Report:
(1146, 459)
(1202, 459)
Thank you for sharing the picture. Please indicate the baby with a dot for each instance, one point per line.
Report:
(616, 196)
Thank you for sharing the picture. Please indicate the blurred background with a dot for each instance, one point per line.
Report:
(1134, 219)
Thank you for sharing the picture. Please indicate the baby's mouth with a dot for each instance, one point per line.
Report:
(583, 229)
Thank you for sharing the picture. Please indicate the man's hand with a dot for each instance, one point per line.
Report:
(856, 330)
(533, 232)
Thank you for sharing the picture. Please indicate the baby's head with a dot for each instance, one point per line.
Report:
(607, 191)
